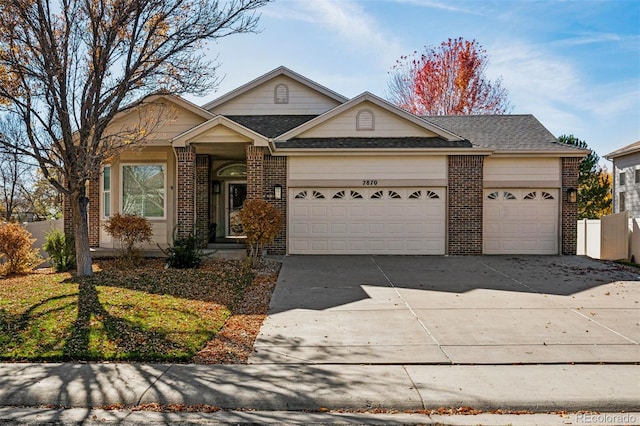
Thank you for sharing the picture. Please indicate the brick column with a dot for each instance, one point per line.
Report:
(465, 204)
(275, 172)
(202, 196)
(255, 161)
(94, 211)
(570, 170)
(185, 192)
(67, 212)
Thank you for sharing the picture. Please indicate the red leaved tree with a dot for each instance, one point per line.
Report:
(447, 80)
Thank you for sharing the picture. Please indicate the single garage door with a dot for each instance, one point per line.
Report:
(367, 220)
(521, 221)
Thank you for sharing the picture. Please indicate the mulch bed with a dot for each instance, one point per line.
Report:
(234, 342)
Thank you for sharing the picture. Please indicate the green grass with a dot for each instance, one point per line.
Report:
(142, 314)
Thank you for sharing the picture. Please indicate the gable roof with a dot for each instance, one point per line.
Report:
(269, 76)
(271, 125)
(381, 103)
(175, 99)
(625, 150)
(184, 138)
(510, 133)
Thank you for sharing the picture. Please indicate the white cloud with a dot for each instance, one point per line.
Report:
(439, 5)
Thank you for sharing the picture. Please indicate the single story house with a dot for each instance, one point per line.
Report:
(626, 179)
(351, 176)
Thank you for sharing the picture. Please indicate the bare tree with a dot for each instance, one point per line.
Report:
(14, 171)
(67, 68)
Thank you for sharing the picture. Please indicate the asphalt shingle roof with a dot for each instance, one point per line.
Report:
(501, 132)
(271, 125)
(365, 143)
(625, 150)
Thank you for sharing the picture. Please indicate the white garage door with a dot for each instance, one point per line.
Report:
(521, 221)
(367, 221)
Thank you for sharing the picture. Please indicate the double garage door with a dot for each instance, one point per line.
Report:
(367, 220)
(413, 221)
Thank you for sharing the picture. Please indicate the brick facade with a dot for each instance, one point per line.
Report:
(94, 212)
(185, 190)
(465, 204)
(263, 173)
(202, 196)
(275, 172)
(255, 161)
(570, 170)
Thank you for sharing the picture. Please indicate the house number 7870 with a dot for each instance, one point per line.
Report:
(369, 182)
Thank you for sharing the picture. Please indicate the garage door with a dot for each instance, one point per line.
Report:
(521, 221)
(367, 221)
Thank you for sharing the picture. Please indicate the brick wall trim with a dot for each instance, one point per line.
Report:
(465, 176)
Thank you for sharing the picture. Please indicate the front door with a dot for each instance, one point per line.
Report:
(236, 194)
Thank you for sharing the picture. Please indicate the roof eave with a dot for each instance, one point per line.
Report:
(395, 151)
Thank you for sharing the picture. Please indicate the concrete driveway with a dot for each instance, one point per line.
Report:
(451, 310)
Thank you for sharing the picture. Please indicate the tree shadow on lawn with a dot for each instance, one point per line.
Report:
(98, 335)
(144, 314)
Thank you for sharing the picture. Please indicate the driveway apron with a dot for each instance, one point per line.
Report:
(451, 310)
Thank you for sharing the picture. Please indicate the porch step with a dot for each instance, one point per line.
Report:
(227, 246)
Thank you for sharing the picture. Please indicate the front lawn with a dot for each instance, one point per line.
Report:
(145, 314)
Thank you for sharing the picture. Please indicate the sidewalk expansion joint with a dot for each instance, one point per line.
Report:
(406, 303)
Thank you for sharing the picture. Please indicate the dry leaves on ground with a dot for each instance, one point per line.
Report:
(234, 342)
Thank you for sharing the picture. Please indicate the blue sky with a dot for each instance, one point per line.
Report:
(575, 65)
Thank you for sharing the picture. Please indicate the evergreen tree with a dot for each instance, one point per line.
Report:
(594, 183)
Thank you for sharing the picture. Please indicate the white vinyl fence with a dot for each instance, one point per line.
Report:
(613, 237)
(39, 229)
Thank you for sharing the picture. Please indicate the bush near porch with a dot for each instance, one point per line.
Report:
(148, 313)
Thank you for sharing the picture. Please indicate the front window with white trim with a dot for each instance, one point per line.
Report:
(106, 191)
(143, 190)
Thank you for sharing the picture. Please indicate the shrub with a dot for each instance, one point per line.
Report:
(261, 223)
(16, 250)
(129, 229)
(185, 253)
(61, 250)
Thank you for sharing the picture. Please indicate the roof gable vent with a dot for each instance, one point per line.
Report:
(365, 120)
(281, 94)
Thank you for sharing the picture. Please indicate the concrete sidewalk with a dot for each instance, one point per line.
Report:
(539, 388)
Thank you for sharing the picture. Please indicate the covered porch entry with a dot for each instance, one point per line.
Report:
(213, 179)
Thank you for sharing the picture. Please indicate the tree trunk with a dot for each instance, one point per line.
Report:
(79, 203)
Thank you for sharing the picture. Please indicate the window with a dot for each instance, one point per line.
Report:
(621, 203)
(339, 195)
(416, 195)
(301, 195)
(281, 94)
(377, 194)
(106, 191)
(365, 120)
(621, 180)
(143, 190)
(530, 196)
(317, 195)
(637, 175)
(233, 171)
(432, 195)
(394, 195)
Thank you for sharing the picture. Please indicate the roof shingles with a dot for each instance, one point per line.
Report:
(371, 143)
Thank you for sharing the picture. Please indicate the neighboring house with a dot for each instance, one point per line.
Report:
(351, 176)
(626, 179)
